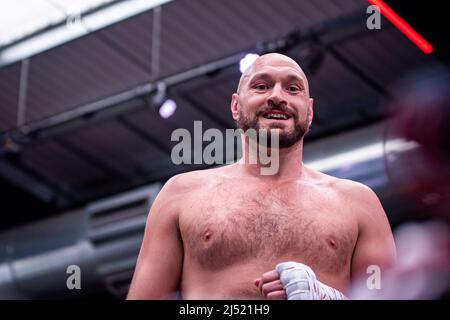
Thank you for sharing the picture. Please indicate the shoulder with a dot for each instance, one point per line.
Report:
(353, 194)
(192, 180)
(183, 189)
(338, 184)
(363, 203)
(355, 191)
(174, 194)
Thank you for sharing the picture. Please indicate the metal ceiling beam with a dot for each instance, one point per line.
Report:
(23, 85)
(84, 111)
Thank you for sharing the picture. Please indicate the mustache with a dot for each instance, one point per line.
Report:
(278, 107)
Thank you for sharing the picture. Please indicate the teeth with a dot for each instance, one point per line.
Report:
(277, 116)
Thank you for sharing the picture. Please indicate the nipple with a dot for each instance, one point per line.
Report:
(207, 235)
(332, 243)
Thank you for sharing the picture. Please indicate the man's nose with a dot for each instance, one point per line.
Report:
(277, 96)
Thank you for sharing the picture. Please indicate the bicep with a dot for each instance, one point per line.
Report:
(375, 245)
(159, 264)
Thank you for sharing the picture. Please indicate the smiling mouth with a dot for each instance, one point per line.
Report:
(276, 115)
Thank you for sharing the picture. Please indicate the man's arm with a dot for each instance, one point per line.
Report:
(158, 269)
(375, 244)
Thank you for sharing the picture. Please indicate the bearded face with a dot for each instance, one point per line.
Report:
(290, 128)
(273, 96)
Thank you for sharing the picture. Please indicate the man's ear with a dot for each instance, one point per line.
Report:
(311, 111)
(234, 106)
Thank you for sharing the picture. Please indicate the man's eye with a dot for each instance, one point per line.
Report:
(293, 88)
(261, 87)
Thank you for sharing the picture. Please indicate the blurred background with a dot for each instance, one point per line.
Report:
(90, 92)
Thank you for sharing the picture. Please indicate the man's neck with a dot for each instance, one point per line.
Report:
(290, 163)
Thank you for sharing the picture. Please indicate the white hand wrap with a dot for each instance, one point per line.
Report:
(301, 283)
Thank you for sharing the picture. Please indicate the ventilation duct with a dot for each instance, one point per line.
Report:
(103, 239)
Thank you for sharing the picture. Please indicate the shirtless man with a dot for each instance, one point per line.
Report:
(220, 233)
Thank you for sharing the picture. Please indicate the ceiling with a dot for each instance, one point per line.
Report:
(30, 17)
(77, 121)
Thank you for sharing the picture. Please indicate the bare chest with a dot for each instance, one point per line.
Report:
(226, 227)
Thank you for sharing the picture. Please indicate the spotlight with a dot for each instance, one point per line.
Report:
(167, 109)
(247, 61)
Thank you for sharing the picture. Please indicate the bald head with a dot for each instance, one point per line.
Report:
(272, 60)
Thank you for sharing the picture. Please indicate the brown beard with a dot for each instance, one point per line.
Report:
(286, 140)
